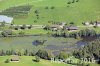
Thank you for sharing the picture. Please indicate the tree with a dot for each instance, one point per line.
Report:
(72, 23)
(7, 52)
(36, 11)
(52, 7)
(73, 1)
(50, 55)
(91, 50)
(3, 24)
(46, 7)
(29, 27)
(23, 26)
(77, 0)
(69, 2)
(62, 56)
(37, 59)
(2, 53)
(7, 33)
(19, 53)
(35, 21)
(42, 54)
(16, 27)
(32, 53)
(26, 52)
(95, 26)
(21, 33)
(91, 22)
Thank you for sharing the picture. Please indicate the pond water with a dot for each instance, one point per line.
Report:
(50, 43)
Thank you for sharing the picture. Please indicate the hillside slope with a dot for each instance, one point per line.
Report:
(55, 11)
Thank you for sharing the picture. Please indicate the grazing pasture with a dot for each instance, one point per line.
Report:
(55, 11)
(27, 61)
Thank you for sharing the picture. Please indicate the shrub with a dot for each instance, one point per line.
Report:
(23, 26)
(6, 33)
(69, 2)
(43, 54)
(62, 55)
(37, 59)
(52, 7)
(7, 61)
(21, 33)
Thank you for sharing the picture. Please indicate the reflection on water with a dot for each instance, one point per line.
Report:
(81, 43)
(38, 42)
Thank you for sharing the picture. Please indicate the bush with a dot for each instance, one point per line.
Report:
(21, 33)
(77, 0)
(43, 54)
(30, 27)
(7, 61)
(73, 1)
(37, 59)
(16, 27)
(52, 7)
(62, 56)
(46, 7)
(6, 33)
(69, 2)
(23, 26)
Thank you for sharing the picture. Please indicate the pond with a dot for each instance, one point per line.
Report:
(34, 43)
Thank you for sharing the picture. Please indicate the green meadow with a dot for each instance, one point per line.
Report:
(27, 61)
(55, 10)
(45, 12)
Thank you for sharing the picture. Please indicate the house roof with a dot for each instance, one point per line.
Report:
(72, 28)
(15, 58)
(98, 22)
(54, 26)
(6, 19)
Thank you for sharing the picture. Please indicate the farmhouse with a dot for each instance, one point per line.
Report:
(58, 26)
(6, 19)
(71, 28)
(97, 23)
(54, 27)
(61, 25)
(15, 59)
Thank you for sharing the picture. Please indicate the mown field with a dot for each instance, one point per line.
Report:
(27, 61)
(55, 10)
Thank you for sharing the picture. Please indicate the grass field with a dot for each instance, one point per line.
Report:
(32, 31)
(78, 12)
(43, 12)
(27, 61)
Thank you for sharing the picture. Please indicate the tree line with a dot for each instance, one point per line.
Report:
(10, 33)
(79, 34)
(91, 50)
